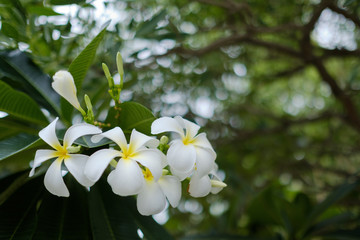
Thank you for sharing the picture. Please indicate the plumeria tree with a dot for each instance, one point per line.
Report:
(122, 151)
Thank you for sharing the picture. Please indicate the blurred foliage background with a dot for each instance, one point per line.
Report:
(274, 84)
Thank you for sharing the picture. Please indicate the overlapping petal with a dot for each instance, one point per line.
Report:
(204, 161)
(76, 164)
(48, 134)
(98, 162)
(127, 178)
(171, 187)
(64, 85)
(166, 124)
(79, 130)
(138, 140)
(54, 181)
(41, 156)
(190, 127)
(202, 141)
(151, 199)
(152, 159)
(181, 157)
(115, 134)
(199, 186)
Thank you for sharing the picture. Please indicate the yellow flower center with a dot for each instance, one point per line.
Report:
(62, 153)
(188, 140)
(147, 175)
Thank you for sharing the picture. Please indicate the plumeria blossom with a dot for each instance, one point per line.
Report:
(127, 178)
(74, 163)
(202, 186)
(190, 151)
(152, 197)
(64, 85)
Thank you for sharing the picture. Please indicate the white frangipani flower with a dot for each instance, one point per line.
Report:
(152, 197)
(189, 151)
(64, 85)
(202, 186)
(75, 163)
(127, 178)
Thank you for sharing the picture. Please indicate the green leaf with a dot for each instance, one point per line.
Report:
(64, 218)
(332, 198)
(85, 141)
(149, 26)
(20, 105)
(131, 115)
(22, 74)
(18, 143)
(12, 32)
(42, 11)
(66, 2)
(17, 215)
(109, 217)
(79, 67)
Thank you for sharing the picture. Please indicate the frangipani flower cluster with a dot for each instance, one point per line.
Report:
(143, 166)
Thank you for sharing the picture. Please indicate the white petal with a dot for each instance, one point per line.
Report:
(41, 156)
(98, 162)
(48, 134)
(152, 159)
(199, 187)
(64, 85)
(181, 157)
(54, 182)
(204, 161)
(76, 164)
(127, 179)
(181, 175)
(202, 141)
(191, 128)
(79, 130)
(151, 199)
(171, 187)
(115, 134)
(166, 124)
(138, 140)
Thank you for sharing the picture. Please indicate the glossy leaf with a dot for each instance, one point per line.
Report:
(16, 144)
(22, 74)
(131, 115)
(20, 105)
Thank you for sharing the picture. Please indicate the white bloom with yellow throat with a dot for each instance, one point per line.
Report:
(127, 178)
(74, 163)
(189, 151)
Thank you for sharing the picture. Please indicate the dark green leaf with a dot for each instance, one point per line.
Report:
(150, 26)
(131, 115)
(64, 218)
(20, 105)
(332, 198)
(22, 74)
(17, 215)
(109, 217)
(65, 2)
(16, 144)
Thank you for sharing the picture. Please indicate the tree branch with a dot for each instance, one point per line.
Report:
(352, 116)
